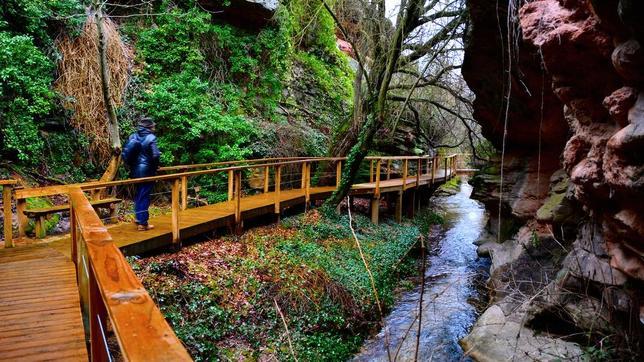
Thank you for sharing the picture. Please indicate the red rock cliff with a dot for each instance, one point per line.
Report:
(576, 71)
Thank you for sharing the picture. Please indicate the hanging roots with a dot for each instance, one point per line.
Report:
(80, 81)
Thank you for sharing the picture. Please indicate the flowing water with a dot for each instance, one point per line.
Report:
(449, 284)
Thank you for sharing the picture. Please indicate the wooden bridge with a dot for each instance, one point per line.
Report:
(76, 297)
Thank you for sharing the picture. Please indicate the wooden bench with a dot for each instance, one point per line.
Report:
(41, 213)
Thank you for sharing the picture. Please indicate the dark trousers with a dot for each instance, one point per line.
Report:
(142, 202)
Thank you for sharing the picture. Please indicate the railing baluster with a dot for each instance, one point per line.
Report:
(338, 173)
(418, 172)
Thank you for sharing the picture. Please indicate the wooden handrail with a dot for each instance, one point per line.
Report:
(109, 288)
(221, 163)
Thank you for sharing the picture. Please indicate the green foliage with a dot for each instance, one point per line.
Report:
(27, 56)
(25, 96)
(218, 296)
(192, 126)
(42, 20)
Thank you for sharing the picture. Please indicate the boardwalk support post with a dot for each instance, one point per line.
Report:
(399, 206)
(176, 240)
(7, 192)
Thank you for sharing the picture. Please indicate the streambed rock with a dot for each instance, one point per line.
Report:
(496, 337)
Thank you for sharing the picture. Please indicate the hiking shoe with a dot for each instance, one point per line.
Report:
(145, 227)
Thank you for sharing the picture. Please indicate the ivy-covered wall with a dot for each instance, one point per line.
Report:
(216, 91)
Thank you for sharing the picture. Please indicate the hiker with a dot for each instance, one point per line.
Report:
(141, 155)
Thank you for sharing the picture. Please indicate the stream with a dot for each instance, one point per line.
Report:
(449, 283)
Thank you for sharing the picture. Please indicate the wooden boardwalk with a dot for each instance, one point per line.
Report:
(199, 220)
(40, 315)
(40, 307)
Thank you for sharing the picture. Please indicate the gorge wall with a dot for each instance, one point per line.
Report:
(571, 211)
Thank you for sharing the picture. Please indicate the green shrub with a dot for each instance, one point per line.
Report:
(192, 127)
(25, 96)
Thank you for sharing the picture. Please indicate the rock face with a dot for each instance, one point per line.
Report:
(250, 14)
(573, 185)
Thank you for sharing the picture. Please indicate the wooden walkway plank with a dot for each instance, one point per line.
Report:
(40, 317)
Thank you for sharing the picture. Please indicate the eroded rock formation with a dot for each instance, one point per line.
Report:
(572, 210)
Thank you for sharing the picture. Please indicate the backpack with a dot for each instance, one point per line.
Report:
(132, 150)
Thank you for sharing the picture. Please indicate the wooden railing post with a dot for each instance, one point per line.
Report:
(405, 170)
(278, 188)
(445, 176)
(97, 317)
(266, 178)
(371, 171)
(434, 169)
(184, 192)
(378, 167)
(388, 169)
(303, 181)
(237, 176)
(73, 229)
(175, 212)
(427, 167)
(338, 173)
(7, 192)
(418, 172)
(21, 206)
(231, 182)
(307, 186)
(375, 202)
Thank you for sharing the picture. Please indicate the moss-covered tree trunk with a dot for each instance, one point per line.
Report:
(385, 59)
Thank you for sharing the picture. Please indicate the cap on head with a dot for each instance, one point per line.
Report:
(146, 122)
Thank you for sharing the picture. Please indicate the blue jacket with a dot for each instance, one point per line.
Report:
(147, 161)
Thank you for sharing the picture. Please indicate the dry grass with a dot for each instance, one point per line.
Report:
(80, 81)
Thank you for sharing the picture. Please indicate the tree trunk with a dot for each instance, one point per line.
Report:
(358, 152)
(112, 121)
